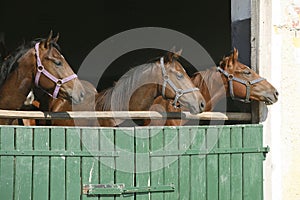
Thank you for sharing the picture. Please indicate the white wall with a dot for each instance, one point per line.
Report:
(282, 127)
(276, 40)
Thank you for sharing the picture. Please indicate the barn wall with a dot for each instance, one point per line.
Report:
(278, 61)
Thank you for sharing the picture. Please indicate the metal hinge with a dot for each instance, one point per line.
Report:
(120, 189)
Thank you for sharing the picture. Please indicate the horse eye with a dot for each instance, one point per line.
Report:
(57, 62)
(179, 76)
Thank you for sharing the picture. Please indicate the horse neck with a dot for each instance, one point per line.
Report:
(16, 87)
(211, 87)
(135, 91)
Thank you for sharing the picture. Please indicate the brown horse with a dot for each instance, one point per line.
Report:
(231, 78)
(136, 91)
(38, 64)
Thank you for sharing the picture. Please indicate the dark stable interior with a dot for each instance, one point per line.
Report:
(83, 25)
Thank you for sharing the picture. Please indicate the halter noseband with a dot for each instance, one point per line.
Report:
(178, 92)
(41, 70)
(231, 78)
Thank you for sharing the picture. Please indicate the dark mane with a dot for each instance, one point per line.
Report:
(9, 64)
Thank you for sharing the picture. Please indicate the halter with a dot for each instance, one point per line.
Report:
(41, 70)
(231, 78)
(178, 92)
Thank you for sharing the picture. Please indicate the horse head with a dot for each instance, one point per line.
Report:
(177, 84)
(53, 73)
(245, 84)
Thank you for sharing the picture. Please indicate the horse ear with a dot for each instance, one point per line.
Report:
(235, 55)
(48, 40)
(178, 53)
(56, 38)
(172, 54)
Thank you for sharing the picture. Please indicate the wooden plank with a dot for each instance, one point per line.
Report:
(73, 181)
(198, 170)
(142, 163)
(90, 165)
(7, 142)
(107, 164)
(124, 138)
(224, 164)
(57, 165)
(184, 187)
(156, 163)
(124, 115)
(23, 176)
(171, 162)
(253, 168)
(212, 164)
(41, 165)
(236, 164)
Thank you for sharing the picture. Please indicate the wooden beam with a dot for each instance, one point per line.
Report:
(123, 115)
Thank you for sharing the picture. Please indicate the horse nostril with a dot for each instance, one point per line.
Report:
(82, 94)
(276, 94)
(202, 105)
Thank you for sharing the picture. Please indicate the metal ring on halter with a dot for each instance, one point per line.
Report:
(179, 92)
(230, 76)
(59, 82)
(166, 77)
(40, 68)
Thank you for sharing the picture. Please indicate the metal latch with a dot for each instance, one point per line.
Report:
(120, 189)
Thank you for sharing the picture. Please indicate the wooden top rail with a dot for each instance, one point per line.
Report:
(124, 115)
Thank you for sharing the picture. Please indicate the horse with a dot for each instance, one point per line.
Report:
(37, 64)
(230, 78)
(136, 91)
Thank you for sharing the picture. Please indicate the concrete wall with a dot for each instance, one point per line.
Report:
(275, 49)
(286, 60)
(279, 61)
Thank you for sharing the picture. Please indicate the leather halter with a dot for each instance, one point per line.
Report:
(41, 70)
(178, 92)
(231, 78)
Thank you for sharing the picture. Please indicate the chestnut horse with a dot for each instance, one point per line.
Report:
(237, 80)
(38, 64)
(136, 91)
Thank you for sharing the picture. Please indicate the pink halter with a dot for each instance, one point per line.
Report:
(42, 70)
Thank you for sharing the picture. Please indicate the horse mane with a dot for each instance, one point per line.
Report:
(9, 64)
(121, 92)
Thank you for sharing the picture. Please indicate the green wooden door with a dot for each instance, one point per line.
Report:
(197, 162)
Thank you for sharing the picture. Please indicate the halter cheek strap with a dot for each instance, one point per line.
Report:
(178, 92)
(248, 84)
(41, 70)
